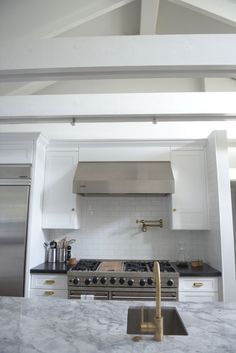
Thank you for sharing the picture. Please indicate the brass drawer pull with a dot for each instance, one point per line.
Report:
(50, 281)
(197, 284)
(48, 293)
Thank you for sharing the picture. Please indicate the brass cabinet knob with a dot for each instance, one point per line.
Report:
(197, 284)
(48, 293)
(49, 281)
(174, 209)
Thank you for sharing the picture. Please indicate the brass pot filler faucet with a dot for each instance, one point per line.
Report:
(145, 224)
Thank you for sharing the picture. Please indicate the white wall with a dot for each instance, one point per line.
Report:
(36, 235)
(221, 238)
(213, 239)
(109, 230)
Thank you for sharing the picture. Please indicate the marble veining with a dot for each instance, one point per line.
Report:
(46, 325)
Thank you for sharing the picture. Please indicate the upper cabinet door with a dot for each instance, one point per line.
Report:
(60, 205)
(190, 200)
(16, 153)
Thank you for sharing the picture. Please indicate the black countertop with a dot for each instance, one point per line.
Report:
(50, 267)
(204, 271)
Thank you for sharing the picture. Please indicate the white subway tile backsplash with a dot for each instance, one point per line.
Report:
(109, 230)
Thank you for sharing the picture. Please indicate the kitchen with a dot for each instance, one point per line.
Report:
(105, 227)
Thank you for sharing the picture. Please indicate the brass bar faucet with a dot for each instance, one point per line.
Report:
(155, 326)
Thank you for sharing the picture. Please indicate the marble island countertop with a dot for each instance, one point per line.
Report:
(44, 325)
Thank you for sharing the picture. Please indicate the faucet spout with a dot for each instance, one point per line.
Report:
(155, 327)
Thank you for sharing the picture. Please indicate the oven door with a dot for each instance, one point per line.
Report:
(142, 295)
(98, 295)
(132, 295)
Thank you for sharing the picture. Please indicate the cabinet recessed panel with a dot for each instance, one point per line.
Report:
(60, 203)
(190, 201)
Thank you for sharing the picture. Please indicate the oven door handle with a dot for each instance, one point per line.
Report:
(174, 298)
(116, 297)
(78, 296)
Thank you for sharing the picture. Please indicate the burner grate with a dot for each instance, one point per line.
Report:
(86, 265)
(138, 266)
(165, 266)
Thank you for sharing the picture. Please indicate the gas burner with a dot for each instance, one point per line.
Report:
(165, 266)
(136, 266)
(86, 265)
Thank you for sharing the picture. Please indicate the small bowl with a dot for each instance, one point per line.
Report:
(197, 263)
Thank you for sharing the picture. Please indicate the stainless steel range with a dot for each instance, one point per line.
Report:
(121, 280)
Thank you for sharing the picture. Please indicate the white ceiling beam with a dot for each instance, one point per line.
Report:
(120, 56)
(121, 107)
(222, 10)
(88, 13)
(148, 16)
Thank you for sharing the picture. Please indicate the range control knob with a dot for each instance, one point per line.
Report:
(142, 282)
(113, 280)
(130, 282)
(95, 280)
(103, 280)
(122, 280)
(170, 282)
(76, 280)
(87, 281)
(150, 281)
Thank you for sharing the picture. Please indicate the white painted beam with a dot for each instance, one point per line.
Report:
(91, 11)
(223, 10)
(120, 107)
(122, 56)
(148, 16)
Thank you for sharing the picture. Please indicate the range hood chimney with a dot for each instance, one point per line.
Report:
(129, 178)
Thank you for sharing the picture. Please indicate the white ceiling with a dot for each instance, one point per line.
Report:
(35, 19)
(32, 19)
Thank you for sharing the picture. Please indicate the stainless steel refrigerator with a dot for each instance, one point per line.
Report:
(14, 201)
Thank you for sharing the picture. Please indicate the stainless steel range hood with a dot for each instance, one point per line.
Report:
(123, 178)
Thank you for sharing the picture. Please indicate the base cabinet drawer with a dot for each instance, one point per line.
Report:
(198, 297)
(198, 289)
(52, 293)
(198, 284)
(42, 281)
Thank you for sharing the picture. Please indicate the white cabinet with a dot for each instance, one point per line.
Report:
(60, 204)
(124, 153)
(16, 153)
(190, 201)
(198, 289)
(49, 285)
